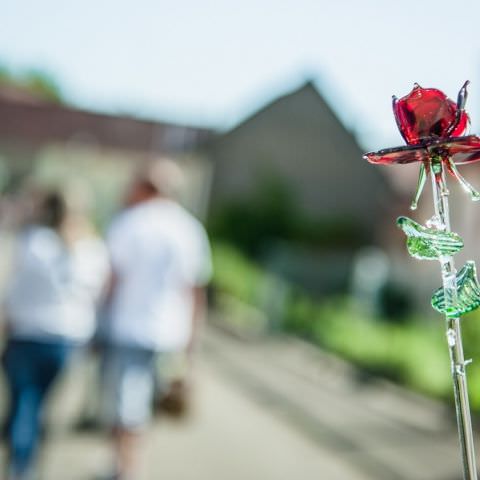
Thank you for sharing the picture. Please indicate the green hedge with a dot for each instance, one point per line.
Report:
(235, 274)
(413, 353)
(272, 213)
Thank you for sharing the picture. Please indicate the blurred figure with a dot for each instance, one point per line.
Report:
(160, 261)
(59, 272)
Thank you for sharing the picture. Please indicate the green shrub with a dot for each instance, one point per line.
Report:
(235, 275)
(413, 353)
(272, 214)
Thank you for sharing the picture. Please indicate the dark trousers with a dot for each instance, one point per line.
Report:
(31, 368)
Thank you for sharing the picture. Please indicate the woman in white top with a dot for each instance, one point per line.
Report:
(58, 275)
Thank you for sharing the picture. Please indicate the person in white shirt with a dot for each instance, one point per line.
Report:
(160, 259)
(60, 269)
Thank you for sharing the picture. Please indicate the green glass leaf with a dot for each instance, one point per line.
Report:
(428, 243)
(468, 293)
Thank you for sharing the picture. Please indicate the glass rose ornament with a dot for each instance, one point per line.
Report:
(433, 126)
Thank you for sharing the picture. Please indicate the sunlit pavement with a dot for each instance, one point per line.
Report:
(273, 410)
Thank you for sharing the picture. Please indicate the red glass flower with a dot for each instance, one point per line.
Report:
(432, 125)
(427, 113)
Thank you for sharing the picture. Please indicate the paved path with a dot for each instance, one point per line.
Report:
(272, 411)
(382, 431)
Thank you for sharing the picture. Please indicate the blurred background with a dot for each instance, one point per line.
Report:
(321, 357)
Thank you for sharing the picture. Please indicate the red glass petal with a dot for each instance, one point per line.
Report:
(462, 125)
(460, 149)
(424, 113)
(463, 149)
(399, 155)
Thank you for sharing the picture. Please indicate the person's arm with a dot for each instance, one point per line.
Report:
(202, 272)
(118, 238)
(4, 325)
(111, 286)
(198, 317)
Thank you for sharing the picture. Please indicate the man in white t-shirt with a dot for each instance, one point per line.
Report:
(160, 258)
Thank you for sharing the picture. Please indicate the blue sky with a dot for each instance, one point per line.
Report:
(212, 62)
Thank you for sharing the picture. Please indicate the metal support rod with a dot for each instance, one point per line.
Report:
(441, 221)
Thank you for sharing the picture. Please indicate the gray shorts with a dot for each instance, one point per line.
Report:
(128, 381)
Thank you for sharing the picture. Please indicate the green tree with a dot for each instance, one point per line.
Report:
(35, 81)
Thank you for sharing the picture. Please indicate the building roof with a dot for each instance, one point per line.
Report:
(307, 88)
(29, 120)
(298, 141)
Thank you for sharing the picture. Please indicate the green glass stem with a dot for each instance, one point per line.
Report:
(441, 222)
(422, 178)
(466, 186)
